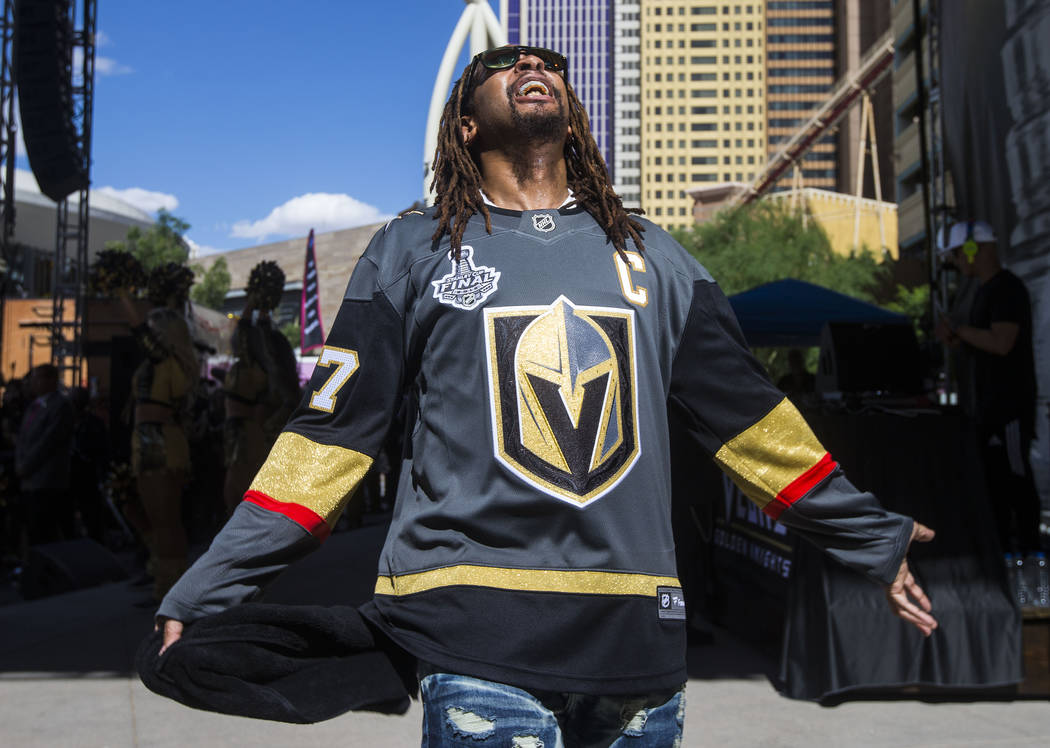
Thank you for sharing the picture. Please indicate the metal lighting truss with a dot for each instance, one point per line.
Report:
(71, 234)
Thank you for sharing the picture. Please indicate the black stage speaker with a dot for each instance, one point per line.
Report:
(871, 359)
(42, 56)
(54, 568)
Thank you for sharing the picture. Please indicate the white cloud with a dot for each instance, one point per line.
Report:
(109, 66)
(200, 250)
(106, 65)
(321, 211)
(103, 65)
(146, 200)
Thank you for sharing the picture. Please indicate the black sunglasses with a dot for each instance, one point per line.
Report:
(502, 58)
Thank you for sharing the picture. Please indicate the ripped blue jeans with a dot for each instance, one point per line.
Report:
(463, 711)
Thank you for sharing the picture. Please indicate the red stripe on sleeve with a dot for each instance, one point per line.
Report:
(306, 518)
(800, 486)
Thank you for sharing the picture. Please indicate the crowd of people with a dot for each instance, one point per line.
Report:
(162, 471)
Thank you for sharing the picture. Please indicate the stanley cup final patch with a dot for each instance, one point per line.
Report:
(468, 285)
(562, 389)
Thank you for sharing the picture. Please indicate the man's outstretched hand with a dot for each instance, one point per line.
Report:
(172, 632)
(905, 596)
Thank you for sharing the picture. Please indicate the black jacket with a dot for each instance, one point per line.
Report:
(289, 663)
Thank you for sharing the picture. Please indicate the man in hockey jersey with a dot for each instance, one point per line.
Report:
(530, 566)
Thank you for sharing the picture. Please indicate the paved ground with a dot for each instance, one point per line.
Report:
(66, 680)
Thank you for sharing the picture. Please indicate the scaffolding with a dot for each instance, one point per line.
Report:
(868, 145)
(71, 233)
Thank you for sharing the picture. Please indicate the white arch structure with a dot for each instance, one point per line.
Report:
(486, 31)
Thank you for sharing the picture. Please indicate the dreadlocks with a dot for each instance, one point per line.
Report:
(457, 180)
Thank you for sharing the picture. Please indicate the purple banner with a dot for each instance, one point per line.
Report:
(311, 331)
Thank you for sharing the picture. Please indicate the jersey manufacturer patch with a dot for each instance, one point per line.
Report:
(562, 389)
(670, 604)
(468, 285)
(543, 222)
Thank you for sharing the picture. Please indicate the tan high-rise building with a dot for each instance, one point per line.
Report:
(801, 72)
(702, 100)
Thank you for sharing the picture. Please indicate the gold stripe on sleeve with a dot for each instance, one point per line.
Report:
(766, 458)
(525, 580)
(320, 477)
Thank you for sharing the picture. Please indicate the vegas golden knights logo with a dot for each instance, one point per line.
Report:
(562, 390)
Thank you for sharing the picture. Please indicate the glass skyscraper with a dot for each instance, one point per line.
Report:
(800, 45)
(582, 31)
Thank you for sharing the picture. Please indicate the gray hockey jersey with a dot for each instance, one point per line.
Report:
(531, 539)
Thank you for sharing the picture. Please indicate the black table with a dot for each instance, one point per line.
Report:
(838, 636)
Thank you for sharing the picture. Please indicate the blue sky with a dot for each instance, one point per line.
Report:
(254, 121)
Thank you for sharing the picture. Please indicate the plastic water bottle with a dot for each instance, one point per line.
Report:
(1021, 594)
(1041, 599)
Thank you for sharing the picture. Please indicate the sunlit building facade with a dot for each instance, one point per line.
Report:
(703, 100)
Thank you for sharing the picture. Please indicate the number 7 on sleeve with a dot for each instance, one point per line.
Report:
(346, 363)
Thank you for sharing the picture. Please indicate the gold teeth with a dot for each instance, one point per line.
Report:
(533, 86)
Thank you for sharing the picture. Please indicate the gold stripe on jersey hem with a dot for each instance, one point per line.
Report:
(320, 477)
(766, 458)
(525, 580)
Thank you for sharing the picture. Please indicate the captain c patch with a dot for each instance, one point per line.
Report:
(562, 389)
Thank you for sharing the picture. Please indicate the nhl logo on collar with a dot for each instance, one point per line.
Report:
(543, 222)
(468, 285)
